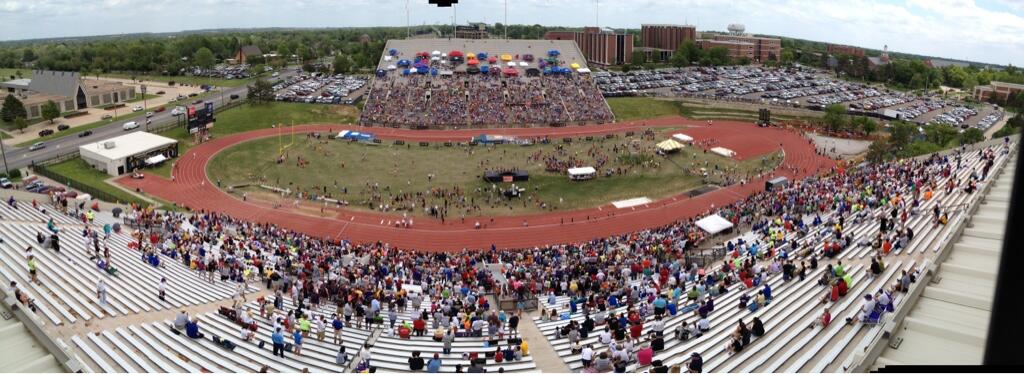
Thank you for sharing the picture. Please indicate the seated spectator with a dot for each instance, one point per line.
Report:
(757, 327)
(434, 365)
(696, 363)
(192, 329)
(416, 362)
(645, 355)
(181, 320)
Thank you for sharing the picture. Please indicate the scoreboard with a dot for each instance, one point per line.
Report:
(200, 117)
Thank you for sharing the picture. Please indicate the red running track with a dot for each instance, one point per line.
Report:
(193, 189)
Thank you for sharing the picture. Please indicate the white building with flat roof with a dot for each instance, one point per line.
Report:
(126, 153)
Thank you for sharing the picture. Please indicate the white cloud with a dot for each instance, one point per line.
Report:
(961, 29)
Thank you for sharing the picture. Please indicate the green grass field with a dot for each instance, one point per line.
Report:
(633, 108)
(77, 173)
(6, 73)
(375, 175)
(254, 117)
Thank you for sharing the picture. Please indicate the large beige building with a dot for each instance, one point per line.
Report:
(67, 89)
(997, 90)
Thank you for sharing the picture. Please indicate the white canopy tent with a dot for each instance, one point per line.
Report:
(582, 173)
(583, 71)
(683, 138)
(723, 151)
(714, 224)
(156, 159)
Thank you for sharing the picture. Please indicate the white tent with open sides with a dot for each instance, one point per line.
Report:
(683, 138)
(714, 224)
(582, 173)
(726, 152)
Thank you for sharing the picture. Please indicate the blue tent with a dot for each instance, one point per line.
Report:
(404, 62)
(406, 72)
(433, 72)
(392, 51)
(547, 71)
(381, 72)
(354, 135)
(481, 56)
(554, 52)
(422, 70)
(485, 69)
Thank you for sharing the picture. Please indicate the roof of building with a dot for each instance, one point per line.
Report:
(29, 99)
(19, 83)
(99, 86)
(719, 41)
(251, 50)
(938, 63)
(63, 83)
(666, 25)
(876, 60)
(128, 145)
(1006, 84)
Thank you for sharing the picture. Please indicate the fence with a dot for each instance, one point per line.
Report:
(45, 171)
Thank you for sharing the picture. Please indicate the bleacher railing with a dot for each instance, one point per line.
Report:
(862, 361)
(60, 351)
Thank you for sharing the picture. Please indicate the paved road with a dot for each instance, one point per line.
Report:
(21, 157)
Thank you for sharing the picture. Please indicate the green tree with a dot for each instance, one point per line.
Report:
(835, 117)
(20, 123)
(203, 58)
(971, 136)
(12, 108)
(260, 92)
(50, 111)
(901, 133)
(939, 134)
(687, 54)
(878, 151)
(867, 125)
(341, 64)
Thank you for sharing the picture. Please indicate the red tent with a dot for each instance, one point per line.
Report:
(510, 71)
(473, 62)
(422, 54)
(455, 54)
(492, 59)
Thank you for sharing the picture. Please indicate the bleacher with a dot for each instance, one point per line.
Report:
(789, 345)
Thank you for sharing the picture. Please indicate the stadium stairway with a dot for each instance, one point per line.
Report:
(948, 323)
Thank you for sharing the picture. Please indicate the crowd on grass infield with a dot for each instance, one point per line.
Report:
(645, 271)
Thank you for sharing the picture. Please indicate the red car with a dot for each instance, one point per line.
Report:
(160, 109)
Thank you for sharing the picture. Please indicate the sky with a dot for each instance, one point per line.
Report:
(990, 31)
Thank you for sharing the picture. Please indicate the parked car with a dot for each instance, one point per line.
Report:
(6, 183)
(234, 97)
(137, 108)
(160, 109)
(193, 94)
(45, 132)
(37, 145)
(180, 97)
(62, 127)
(160, 92)
(106, 116)
(33, 186)
(84, 133)
(130, 125)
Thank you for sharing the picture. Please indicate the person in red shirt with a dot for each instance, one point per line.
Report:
(419, 326)
(498, 356)
(636, 330)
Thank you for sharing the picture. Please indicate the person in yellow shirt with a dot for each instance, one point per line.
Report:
(525, 348)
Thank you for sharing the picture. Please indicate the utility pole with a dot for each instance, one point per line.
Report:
(4, 153)
(597, 14)
(506, 20)
(408, 28)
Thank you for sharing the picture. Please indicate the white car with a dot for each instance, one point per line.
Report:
(149, 114)
(130, 125)
(137, 108)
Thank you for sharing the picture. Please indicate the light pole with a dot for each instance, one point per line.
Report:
(4, 153)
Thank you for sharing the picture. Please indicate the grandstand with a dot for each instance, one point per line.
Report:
(440, 83)
(916, 224)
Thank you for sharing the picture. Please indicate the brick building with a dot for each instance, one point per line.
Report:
(601, 47)
(997, 90)
(472, 31)
(838, 49)
(668, 37)
(736, 49)
(765, 49)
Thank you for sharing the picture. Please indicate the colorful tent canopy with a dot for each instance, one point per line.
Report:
(506, 57)
(436, 53)
(481, 55)
(527, 57)
(492, 59)
(510, 71)
(554, 52)
(512, 63)
(485, 69)
(404, 62)
(574, 65)
(392, 51)
(669, 145)
(473, 61)
(471, 55)
(455, 54)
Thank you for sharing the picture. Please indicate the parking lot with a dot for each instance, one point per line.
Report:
(795, 87)
(225, 71)
(321, 89)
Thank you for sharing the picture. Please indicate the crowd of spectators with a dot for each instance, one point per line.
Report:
(483, 99)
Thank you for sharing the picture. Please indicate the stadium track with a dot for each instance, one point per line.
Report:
(192, 188)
